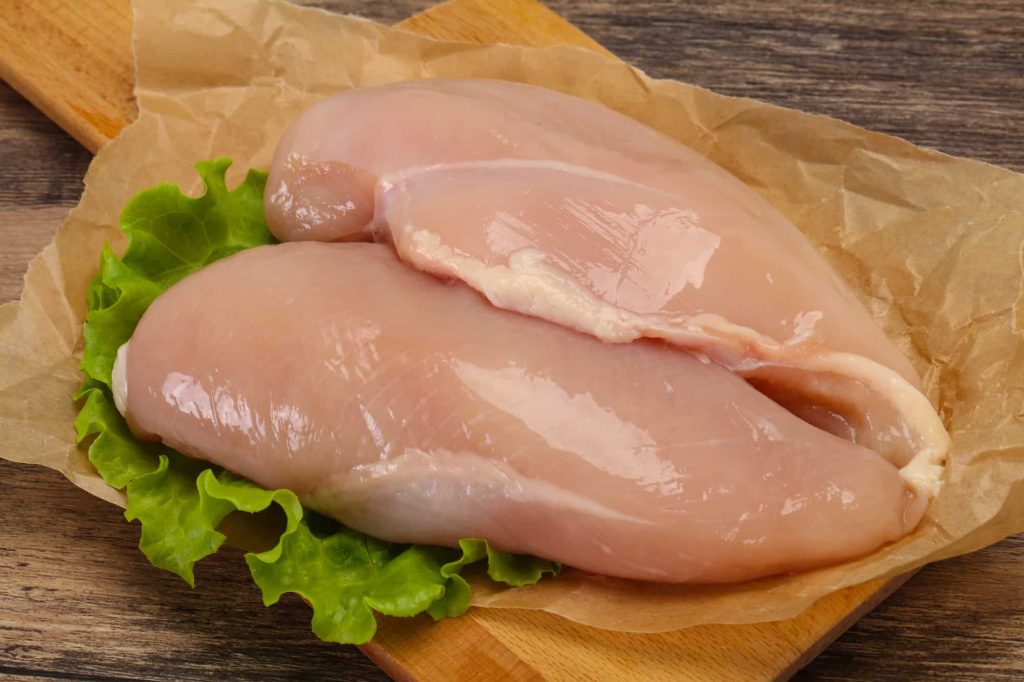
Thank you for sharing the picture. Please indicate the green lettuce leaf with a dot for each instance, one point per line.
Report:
(180, 502)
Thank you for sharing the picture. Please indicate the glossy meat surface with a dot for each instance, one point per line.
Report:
(561, 209)
(410, 408)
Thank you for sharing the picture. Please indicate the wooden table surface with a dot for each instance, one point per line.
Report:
(78, 601)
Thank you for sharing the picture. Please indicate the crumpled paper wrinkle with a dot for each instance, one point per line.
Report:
(932, 244)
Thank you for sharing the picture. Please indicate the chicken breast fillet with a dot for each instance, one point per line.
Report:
(561, 209)
(409, 408)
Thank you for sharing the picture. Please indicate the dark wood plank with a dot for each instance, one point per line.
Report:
(117, 616)
(948, 75)
(962, 620)
(941, 76)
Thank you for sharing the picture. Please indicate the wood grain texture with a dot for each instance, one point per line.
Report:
(553, 649)
(90, 98)
(966, 620)
(496, 21)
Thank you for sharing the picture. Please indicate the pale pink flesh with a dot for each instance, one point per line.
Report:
(490, 182)
(639, 249)
(337, 151)
(413, 410)
(629, 249)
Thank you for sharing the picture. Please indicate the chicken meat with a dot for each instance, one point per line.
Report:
(408, 407)
(558, 208)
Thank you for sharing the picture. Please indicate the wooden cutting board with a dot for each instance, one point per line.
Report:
(73, 61)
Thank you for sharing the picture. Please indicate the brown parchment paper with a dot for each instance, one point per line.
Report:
(931, 243)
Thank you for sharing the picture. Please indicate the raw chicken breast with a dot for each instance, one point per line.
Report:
(561, 209)
(411, 409)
